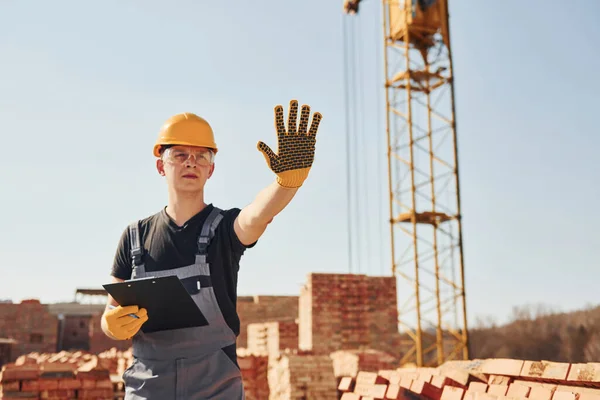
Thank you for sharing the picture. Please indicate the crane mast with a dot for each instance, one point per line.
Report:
(423, 180)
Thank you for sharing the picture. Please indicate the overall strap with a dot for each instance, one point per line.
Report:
(136, 245)
(208, 230)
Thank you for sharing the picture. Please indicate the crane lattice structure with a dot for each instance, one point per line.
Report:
(423, 181)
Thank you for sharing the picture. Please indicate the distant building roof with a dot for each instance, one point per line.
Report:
(91, 292)
(74, 308)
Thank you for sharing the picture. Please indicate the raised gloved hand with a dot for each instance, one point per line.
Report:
(295, 148)
(120, 324)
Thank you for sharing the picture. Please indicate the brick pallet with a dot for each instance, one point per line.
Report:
(272, 337)
(301, 376)
(490, 379)
(254, 374)
(351, 362)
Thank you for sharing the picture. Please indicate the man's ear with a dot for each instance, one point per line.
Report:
(212, 169)
(160, 167)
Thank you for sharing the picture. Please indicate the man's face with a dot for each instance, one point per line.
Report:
(187, 168)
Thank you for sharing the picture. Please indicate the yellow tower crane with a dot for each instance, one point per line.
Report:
(423, 181)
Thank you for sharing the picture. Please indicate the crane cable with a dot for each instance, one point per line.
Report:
(380, 49)
(357, 234)
(347, 119)
(362, 234)
(356, 145)
(347, 64)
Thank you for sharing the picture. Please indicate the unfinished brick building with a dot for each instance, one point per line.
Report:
(256, 309)
(345, 312)
(30, 326)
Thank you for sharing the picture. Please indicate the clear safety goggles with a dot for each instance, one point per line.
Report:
(179, 155)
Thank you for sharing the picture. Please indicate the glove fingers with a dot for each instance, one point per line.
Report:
(293, 117)
(315, 124)
(131, 330)
(304, 115)
(142, 313)
(133, 321)
(279, 125)
(266, 151)
(121, 311)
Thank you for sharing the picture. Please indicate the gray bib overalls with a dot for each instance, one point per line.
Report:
(188, 363)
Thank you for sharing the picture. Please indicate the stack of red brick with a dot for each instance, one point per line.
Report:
(490, 379)
(272, 337)
(117, 361)
(257, 309)
(351, 362)
(343, 319)
(55, 377)
(254, 374)
(295, 375)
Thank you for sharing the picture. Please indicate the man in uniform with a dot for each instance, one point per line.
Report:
(202, 245)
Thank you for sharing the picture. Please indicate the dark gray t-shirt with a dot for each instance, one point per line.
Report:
(168, 246)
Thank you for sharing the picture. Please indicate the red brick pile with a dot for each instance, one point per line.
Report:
(254, 374)
(56, 376)
(117, 361)
(294, 375)
(348, 311)
(490, 379)
(272, 337)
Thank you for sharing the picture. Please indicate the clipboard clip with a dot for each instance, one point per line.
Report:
(194, 284)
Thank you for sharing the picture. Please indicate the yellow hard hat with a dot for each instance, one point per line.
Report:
(186, 129)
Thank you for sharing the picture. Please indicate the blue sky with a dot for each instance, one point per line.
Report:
(84, 90)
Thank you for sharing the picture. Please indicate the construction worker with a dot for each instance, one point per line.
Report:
(202, 245)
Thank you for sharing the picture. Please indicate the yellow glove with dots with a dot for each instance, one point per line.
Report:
(124, 322)
(295, 148)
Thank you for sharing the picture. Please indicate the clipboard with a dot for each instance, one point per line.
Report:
(168, 303)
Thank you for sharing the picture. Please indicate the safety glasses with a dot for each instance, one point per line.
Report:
(179, 155)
